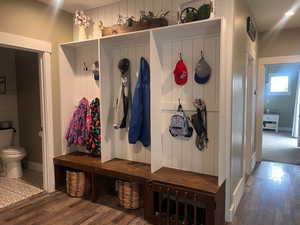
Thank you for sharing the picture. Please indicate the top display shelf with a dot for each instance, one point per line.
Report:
(187, 29)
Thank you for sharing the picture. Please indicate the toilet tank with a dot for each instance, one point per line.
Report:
(6, 137)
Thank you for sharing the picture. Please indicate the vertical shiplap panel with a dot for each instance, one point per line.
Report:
(132, 8)
(124, 8)
(176, 94)
(167, 6)
(174, 12)
(136, 148)
(139, 6)
(198, 90)
(187, 52)
(125, 146)
(187, 99)
(167, 140)
(157, 6)
(117, 82)
(115, 12)
(101, 15)
(210, 92)
(167, 76)
(176, 89)
(148, 5)
(141, 150)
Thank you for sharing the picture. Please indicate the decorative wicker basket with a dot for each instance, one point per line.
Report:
(76, 183)
(129, 194)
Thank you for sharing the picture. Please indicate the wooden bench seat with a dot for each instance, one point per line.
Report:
(179, 183)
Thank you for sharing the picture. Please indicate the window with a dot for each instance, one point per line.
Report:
(279, 84)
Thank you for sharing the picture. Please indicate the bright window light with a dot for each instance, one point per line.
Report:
(289, 13)
(279, 84)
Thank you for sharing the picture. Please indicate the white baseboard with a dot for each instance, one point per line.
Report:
(35, 166)
(236, 198)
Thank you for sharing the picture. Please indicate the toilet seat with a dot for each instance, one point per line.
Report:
(12, 150)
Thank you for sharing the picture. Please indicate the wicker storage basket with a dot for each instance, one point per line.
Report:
(129, 194)
(76, 183)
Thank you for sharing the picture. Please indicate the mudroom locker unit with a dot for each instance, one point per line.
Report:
(178, 179)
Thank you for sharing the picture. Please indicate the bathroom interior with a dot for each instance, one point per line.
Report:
(20, 126)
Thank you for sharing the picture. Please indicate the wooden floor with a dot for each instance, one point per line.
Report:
(272, 196)
(59, 209)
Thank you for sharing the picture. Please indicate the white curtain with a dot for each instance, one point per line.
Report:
(296, 110)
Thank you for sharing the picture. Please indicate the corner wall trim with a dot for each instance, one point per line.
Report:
(236, 198)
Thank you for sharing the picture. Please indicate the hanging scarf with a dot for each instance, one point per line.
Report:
(199, 121)
(94, 137)
(78, 129)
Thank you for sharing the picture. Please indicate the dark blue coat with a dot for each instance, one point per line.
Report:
(139, 129)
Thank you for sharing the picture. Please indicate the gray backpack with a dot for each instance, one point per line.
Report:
(179, 125)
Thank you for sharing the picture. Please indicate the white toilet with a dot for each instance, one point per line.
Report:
(10, 156)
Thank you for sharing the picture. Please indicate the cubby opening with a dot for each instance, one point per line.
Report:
(113, 49)
(76, 82)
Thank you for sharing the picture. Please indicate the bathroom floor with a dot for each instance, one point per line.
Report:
(15, 190)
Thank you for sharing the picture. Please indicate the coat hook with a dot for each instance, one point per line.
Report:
(85, 68)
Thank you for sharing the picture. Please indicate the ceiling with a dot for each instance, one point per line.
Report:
(72, 5)
(268, 13)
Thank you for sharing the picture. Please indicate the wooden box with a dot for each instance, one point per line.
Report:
(136, 26)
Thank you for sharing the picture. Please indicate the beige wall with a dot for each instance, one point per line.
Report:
(9, 106)
(29, 113)
(284, 43)
(30, 18)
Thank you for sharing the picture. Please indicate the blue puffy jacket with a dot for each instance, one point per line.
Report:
(139, 129)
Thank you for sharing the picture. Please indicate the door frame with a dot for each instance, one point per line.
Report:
(249, 123)
(44, 50)
(262, 62)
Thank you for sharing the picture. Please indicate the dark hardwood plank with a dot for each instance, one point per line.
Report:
(126, 169)
(272, 196)
(78, 160)
(60, 209)
(186, 179)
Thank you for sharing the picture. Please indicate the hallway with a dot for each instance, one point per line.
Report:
(271, 197)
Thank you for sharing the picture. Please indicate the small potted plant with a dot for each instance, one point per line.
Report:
(83, 22)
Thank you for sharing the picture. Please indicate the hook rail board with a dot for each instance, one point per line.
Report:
(161, 48)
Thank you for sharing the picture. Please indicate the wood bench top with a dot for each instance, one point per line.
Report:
(78, 160)
(186, 179)
(136, 171)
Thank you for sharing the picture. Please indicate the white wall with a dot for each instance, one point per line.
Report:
(9, 106)
(283, 43)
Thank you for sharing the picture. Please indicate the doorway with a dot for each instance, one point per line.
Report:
(43, 49)
(20, 125)
(281, 113)
(278, 107)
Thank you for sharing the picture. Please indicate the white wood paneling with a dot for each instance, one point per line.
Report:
(75, 82)
(133, 49)
(181, 153)
(161, 47)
